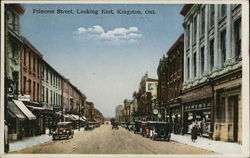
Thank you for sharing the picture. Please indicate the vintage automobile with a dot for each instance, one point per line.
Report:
(159, 130)
(89, 126)
(143, 128)
(63, 130)
(131, 126)
(115, 125)
(137, 126)
(149, 128)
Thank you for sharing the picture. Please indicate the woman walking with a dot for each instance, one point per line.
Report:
(194, 131)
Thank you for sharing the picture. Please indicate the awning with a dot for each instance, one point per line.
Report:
(13, 110)
(69, 117)
(77, 117)
(84, 117)
(25, 110)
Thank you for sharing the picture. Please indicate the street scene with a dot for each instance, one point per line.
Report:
(108, 141)
(123, 79)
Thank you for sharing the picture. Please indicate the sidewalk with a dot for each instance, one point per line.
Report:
(33, 141)
(224, 148)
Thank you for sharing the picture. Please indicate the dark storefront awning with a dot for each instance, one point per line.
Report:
(14, 111)
(25, 110)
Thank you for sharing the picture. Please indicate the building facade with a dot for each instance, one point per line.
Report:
(118, 113)
(212, 69)
(147, 96)
(174, 84)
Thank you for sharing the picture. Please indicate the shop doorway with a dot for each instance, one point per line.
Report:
(233, 102)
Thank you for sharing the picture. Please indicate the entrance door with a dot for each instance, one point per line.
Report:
(233, 102)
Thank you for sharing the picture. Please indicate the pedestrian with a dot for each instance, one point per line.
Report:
(194, 131)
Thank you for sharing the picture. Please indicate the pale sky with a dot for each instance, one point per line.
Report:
(105, 56)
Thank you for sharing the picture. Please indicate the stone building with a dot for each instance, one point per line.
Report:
(212, 69)
(118, 113)
(174, 79)
(13, 45)
(147, 96)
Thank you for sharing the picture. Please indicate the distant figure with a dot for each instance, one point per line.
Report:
(194, 131)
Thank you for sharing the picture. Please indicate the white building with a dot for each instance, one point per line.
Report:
(212, 67)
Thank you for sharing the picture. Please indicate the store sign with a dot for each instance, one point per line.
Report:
(24, 97)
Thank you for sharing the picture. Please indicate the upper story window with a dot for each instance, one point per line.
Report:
(188, 66)
(34, 63)
(194, 28)
(194, 56)
(211, 17)
(24, 57)
(237, 35)
(202, 20)
(47, 75)
(29, 60)
(13, 21)
(223, 46)
(211, 48)
(14, 50)
(187, 35)
(223, 9)
(202, 60)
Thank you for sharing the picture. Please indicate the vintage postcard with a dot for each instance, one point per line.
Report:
(116, 78)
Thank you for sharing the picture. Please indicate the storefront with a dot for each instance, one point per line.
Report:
(197, 105)
(15, 121)
(175, 116)
(228, 107)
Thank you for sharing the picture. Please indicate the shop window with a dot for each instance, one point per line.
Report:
(211, 48)
(51, 97)
(220, 109)
(223, 46)
(29, 84)
(237, 35)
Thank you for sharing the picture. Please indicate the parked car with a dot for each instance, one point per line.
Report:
(149, 128)
(115, 125)
(63, 130)
(137, 126)
(131, 126)
(160, 130)
(89, 126)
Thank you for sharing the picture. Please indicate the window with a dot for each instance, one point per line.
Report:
(38, 92)
(220, 109)
(237, 34)
(51, 97)
(47, 95)
(42, 93)
(29, 60)
(194, 56)
(47, 75)
(38, 67)
(223, 46)
(14, 50)
(202, 60)
(211, 15)
(188, 66)
(34, 64)
(223, 10)
(51, 78)
(211, 54)
(187, 38)
(202, 20)
(195, 28)
(34, 91)
(29, 82)
(24, 57)
(24, 85)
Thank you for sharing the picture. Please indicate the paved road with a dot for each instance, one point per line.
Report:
(104, 140)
